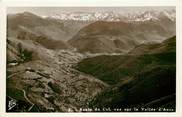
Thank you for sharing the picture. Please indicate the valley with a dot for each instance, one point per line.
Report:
(82, 63)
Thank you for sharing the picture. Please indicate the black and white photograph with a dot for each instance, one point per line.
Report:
(91, 59)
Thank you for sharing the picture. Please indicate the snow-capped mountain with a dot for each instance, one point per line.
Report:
(88, 16)
(112, 16)
(152, 15)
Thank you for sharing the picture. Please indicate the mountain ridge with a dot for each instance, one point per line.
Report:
(137, 80)
(120, 37)
(111, 16)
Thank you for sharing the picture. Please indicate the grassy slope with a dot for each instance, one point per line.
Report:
(112, 69)
(152, 77)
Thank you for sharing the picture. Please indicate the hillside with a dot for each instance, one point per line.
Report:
(136, 80)
(120, 36)
(40, 77)
(167, 46)
(43, 80)
(47, 27)
(69, 61)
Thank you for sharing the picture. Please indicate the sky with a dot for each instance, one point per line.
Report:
(48, 11)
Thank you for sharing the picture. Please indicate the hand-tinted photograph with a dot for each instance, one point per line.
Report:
(91, 59)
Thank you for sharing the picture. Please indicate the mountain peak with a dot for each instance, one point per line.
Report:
(111, 16)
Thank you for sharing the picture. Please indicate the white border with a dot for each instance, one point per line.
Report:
(55, 3)
(90, 2)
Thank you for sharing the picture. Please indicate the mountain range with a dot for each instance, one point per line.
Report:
(73, 61)
(145, 79)
(113, 16)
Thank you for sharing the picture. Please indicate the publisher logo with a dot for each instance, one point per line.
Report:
(11, 104)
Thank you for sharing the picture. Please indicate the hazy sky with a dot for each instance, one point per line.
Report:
(57, 10)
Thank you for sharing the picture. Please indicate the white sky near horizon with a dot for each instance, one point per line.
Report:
(48, 11)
